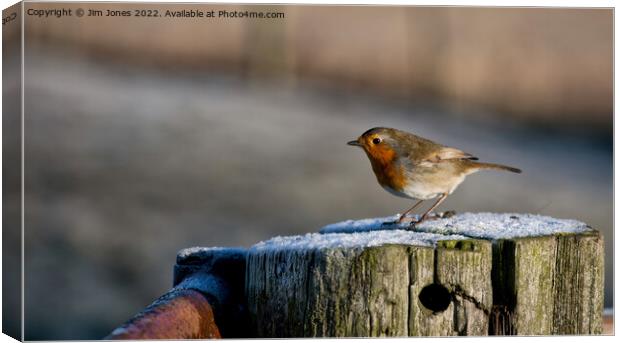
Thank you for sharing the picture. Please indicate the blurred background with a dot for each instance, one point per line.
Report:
(148, 135)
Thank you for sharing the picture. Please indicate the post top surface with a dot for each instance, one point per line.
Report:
(371, 232)
(361, 239)
(484, 225)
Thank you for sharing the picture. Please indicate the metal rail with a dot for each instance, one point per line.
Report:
(207, 300)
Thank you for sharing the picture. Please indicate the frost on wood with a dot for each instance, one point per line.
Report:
(352, 240)
(475, 225)
(470, 274)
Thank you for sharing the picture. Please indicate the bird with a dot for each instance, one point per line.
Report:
(413, 167)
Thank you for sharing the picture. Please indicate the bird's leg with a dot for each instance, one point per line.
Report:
(404, 215)
(402, 218)
(437, 203)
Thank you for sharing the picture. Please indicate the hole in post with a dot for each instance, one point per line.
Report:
(435, 297)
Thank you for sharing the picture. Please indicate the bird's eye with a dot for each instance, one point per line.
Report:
(376, 140)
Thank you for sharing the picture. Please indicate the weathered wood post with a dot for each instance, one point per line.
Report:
(470, 274)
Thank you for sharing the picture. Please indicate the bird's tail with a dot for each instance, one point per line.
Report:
(483, 165)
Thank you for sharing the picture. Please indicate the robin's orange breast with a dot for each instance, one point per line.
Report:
(389, 173)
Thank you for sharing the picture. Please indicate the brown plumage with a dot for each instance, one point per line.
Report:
(413, 167)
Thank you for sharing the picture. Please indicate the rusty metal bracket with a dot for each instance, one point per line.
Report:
(207, 300)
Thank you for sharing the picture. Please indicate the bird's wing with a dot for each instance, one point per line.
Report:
(443, 154)
(446, 153)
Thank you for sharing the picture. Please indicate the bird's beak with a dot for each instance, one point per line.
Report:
(354, 143)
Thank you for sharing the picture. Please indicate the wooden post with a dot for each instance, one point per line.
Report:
(471, 274)
(464, 268)
(369, 288)
(578, 290)
(551, 285)
(465, 275)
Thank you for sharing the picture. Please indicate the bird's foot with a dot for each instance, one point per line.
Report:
(446, 214)
(398, 222)
(412, 225)
(440, 215)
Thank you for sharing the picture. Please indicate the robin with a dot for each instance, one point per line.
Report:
(413, 167)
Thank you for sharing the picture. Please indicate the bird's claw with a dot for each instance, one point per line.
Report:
(441, 215)
(412, 225)
(446, 214)
(413, 222)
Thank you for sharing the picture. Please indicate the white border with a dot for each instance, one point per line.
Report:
(481, 3)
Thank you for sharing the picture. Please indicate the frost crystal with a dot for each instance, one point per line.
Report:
(476, 225)
(373, 232)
